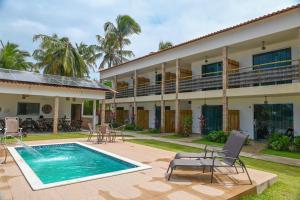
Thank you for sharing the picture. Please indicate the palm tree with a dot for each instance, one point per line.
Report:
(164, 45)
(89, 53)
(58, 56)
(125, 26)
(11, 57)
(108, 46)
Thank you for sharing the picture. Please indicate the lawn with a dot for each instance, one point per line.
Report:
(286, 188)
(174, 136)
(281, 153)
(51, 136)
(205, 141)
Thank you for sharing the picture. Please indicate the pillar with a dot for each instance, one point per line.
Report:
(114, 106)
(94, 114)
(177, 107)
(103, 112)
(135, 82)
(55, 114)
(225, 86)
(162, 101)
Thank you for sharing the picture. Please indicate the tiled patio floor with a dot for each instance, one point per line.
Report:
(147, 184)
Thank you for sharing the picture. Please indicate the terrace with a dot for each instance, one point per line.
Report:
(146, 184)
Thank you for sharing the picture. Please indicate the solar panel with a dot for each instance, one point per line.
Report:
(55, 80)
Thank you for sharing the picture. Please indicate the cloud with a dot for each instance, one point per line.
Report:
(172, 20)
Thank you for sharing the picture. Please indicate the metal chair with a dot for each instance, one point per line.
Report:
(12, 128)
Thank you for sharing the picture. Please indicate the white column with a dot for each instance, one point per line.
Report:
(94, 114)
(103, 112)
(177, 107)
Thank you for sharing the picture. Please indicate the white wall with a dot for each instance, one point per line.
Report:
(9, 105)
(245, 106)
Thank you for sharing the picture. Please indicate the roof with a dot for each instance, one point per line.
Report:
(16, 76)
(210, 35)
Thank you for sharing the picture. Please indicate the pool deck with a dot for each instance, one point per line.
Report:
(147, 184)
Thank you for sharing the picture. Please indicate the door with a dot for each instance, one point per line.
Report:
(157, 117)
(158, 83)
(76, 112)
(143, 118)
(170, 121)
(233, 120)
(271, 118)
(213, 118)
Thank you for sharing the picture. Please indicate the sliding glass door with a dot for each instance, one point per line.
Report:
(213, 118)
(270, 118)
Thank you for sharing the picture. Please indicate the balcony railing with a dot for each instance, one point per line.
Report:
(108, 95)
(249, 77)
(125, 92)
(170, 86)
(147, 90)
(209, 81)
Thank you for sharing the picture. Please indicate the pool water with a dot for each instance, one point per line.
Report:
(62, 162)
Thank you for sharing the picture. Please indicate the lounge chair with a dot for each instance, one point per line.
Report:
(228, 158)
(104, 133)
(118, 131)
(209, 153)
(12, 128)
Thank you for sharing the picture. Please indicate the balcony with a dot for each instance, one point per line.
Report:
(125, 93)
(147, 90)
(211, 81)
(261, 76)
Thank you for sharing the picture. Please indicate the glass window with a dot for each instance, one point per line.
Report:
(271, 57)
(28, 108)
(88, 107)
(213, 118)
(212, 69)
(270, 118)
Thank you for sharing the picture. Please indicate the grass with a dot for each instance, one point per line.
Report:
(287, 154)
(51, 136)
(286, 188)
(147, 132)
(174, 136)
(205, 141)
(165, 145)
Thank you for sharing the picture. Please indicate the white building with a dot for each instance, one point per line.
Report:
(32, 95)
(243, 77)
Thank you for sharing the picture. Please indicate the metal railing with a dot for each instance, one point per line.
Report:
(208, 81)
(108, 95)
(147, 90)
(170, 86)
(125, 92)
(264, 75)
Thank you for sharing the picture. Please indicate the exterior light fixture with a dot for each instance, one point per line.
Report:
(204, 102)
(266, 100)
(206, 61)
(263, 47)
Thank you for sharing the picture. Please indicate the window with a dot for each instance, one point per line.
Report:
(28, 108)
(271, 118)
(212, 69)
(213, 118)
(271, 57)
(88, 107)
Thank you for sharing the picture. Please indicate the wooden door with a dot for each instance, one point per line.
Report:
(143, 118)
(170, 121)
(233, 120)
(183, 115)
(76, 111)
(121, 116)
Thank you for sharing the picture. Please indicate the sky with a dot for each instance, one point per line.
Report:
(160, 20)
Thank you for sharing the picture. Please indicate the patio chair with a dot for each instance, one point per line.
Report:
(119, 132)
(229, 158)
(104, 133)
(92, 133)
(12, 128)
(209, 153)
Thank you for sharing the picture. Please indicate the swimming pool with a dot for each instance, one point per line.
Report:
(50, 165)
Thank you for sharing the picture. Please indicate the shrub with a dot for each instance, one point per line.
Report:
(297, 141)
(217, 136)
(279, 142)
(187, 126)
(130, 127)
(138, 128)
(154, 130)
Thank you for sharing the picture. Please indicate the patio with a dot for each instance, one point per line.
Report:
(148, 184)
